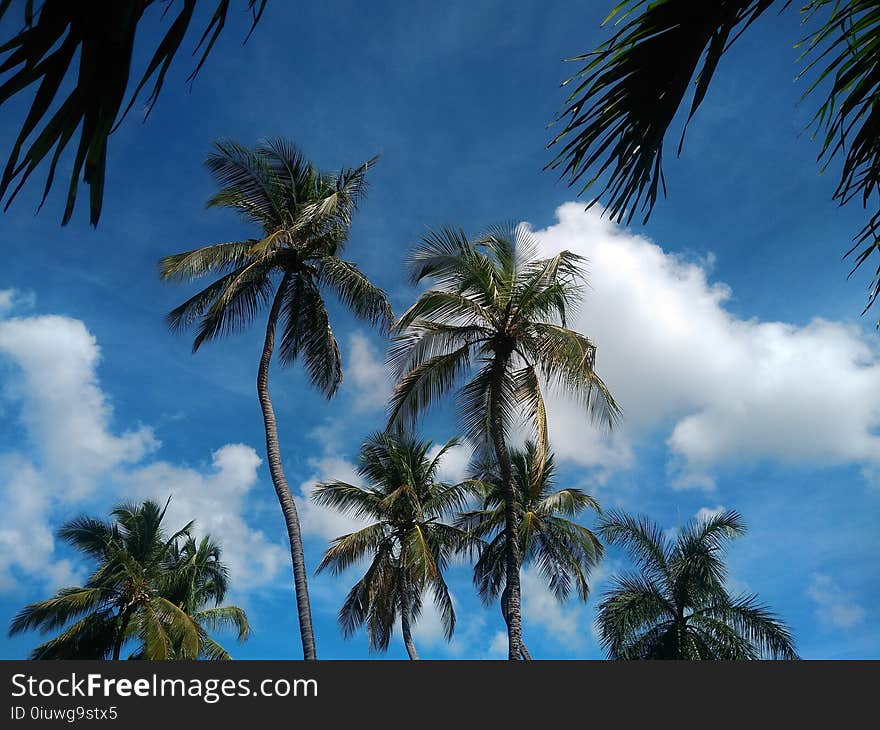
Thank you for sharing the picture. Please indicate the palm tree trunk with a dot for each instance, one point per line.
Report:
(123, 619)
(523, 650)
(514, 610)
(282, 490)
(407, 634)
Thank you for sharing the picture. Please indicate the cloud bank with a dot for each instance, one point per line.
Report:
(74, 459)
(733, 390)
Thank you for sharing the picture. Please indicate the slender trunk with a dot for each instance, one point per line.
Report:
(123, 619)
(282, 490)
(407, 633)
(523, 650)
(512, 561)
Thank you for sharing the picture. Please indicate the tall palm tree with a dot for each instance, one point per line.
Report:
(562, 551)
(497, 315)
(147, 588)
(630, 88)
(407, 542)
(97, 38)
(677, 606)
(303, 216)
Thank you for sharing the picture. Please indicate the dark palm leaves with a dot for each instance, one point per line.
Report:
(304, 216)
(562, 551)
(677, 606)
(628, 91)
(408, 545)
(103, 33)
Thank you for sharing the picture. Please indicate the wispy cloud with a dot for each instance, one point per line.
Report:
(834, 606)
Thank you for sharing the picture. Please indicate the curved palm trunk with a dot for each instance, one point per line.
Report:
(282, 490)
(514, 610)
(407, 634)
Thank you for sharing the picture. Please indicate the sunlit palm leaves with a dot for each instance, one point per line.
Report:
(149, 590)
(677, 606)
(496, 315)
(562, 551)
(408, 545)
(304, 215)
(102, 34)
(629, 90)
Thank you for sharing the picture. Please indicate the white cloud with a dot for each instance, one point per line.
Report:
(499, 646)
(215, 500)
(65, 413)
(834, 606)
(15, 299)
(453, 467)
(368, 374)
(708, 513)
(78, 461)
(564, 623)
(734, 389)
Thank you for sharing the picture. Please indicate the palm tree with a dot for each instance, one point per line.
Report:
(303, 216)
(409, 544)
(197, 582)
(677, 606)
(147, 588)
(97, 38)
(497, 314)
(563, 551)
(629, 90)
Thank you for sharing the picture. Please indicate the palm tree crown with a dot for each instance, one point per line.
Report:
(677, 606)
(408, 543)
(497, 307)
(158, 591)
(304, 216)
(496, 314)
(562, 551)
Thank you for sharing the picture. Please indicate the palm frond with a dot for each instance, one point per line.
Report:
(43, 52)
(628, 91)
(356, 291)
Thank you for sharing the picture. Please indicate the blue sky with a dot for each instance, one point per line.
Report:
(725, 326)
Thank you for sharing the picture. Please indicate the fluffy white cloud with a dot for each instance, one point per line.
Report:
(564, 623)
(834, 606)
(78, 460)
(366, 371)
(66, 414)
(14, 299)
(734, 389)
(453, 467)
(26, 539)
(216, 501)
